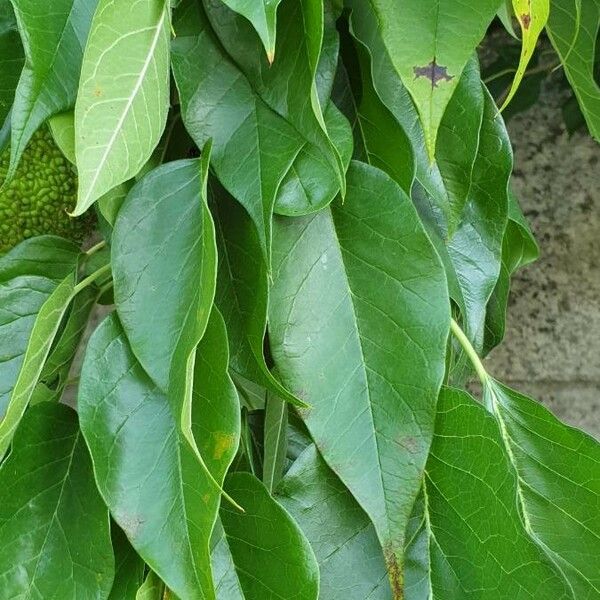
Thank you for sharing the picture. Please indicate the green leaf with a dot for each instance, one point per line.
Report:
(129, 567)
(145, 469)
(159, 255)
(242, 291)
(53, 524)
(557, 471)
(573, 30)
(62, 126)
(272, 558)
(11, 59)
(152, 588)
(429, 42)
(43, 332)
(119, 120)
(275, 441)
(227, 583)
(359, 318)
(54, 35)
(467, 538)
(532, 16)
(351, 564)
(263, 16)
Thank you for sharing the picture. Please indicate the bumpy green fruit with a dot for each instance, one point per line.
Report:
(37, 199)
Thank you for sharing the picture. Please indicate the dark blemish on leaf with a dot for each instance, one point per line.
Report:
(526, 20)
(394, 570)
(433, 72)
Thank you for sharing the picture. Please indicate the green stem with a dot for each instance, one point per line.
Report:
(463, 340)
(96, 247)
(90, 279)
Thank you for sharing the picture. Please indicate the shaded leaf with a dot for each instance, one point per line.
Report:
(573, 30)
(53, 524)
(358, 323)
(119, 120)
(275, 441)
(145, 469)
(54, 35)
(11, 60)
(351, 564)
(152, 588)
(62, 127)
(129, 568)
(272, 557)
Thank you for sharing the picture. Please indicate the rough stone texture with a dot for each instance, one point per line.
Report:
(552, 345)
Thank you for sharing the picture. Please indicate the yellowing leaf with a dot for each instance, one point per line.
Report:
(532, 16)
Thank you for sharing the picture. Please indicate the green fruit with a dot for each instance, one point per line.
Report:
(36, 201)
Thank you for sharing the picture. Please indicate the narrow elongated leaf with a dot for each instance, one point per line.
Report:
(42, 336)
(557, 470)
(272, 557)
(275, 441)
(53, 524)
(350, 558)
(467, 538)
(159, 246)
(253, 147)
(532, 16)
(573, 30)
(429, 43)
(54, 35)
(11, 59)
(242, 291)
(263, 16)
(145, 469)
(123, 96)
(288, 86)
(358, 323)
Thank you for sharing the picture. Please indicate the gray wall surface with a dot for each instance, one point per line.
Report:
(552, 345)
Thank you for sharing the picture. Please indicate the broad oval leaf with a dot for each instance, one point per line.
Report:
(145, 469)
(271, 556)
(467, 539)
(159, 254)
(54, 34)
(358, 323)
(53, 524)
(429, 43)
(557, 469)
(123, 96)
(351, 564)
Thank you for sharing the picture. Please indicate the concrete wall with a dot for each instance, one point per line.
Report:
(552, 345)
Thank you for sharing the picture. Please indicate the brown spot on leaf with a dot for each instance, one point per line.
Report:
(97, 92)
(526, 20)
(433, 72)
(223, 443)
(394, 569)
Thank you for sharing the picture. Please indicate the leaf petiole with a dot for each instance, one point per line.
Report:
(463, 340)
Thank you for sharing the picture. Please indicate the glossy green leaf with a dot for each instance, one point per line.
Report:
(145, 469)
(288, 86)
(159, 255)
(53, 524)
(227, 582)
(467, 537)
(532, 16)
(351, 564)
(11, 59)
(358, 326)
(263, 16)
(272, 557)
(242, 291)
(54, 35)
(429, 42)
(558, 485)
(573, 30)
(129, 568)
(119, 119)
